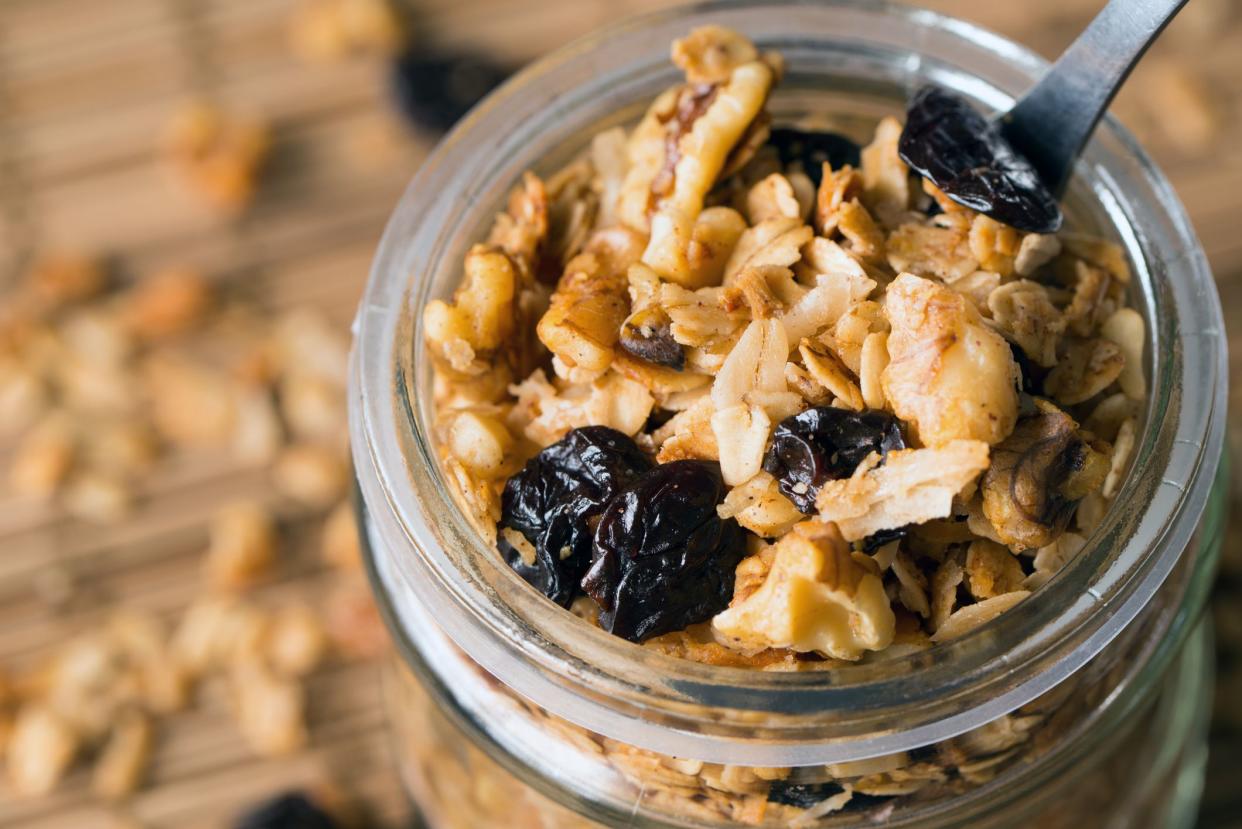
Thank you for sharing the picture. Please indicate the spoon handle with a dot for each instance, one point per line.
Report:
(1055, 118)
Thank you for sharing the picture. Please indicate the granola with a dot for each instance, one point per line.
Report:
(695, 290)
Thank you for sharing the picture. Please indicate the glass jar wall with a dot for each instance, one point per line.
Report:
(1068, 705)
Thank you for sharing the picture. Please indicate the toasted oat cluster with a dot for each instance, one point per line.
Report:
(757, 395)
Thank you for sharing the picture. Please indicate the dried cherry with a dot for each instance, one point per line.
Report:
(663, 557)
(947, 141)
(807, 795)
(822, 444)
(434, 89)
(812, 149)
(292, 810)
(554, 501)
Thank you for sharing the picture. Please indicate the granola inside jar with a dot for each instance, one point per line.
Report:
(864, 505)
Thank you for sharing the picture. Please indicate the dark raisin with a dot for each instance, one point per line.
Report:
(648, 336)
(878, 539)
(802, 795)
(663, 557)
(808, 795)
(434, 89)
(1032, 373)
(947, 141)
(554, 501)
(812, 149)
(824, 444)
(292, 810)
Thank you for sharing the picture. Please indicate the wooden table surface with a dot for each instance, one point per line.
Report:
(86, 88)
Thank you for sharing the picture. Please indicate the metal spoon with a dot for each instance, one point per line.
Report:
(1052, 122)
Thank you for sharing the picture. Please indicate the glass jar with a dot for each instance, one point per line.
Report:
(1082, 706)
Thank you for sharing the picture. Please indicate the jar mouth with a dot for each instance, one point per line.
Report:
(428, 551)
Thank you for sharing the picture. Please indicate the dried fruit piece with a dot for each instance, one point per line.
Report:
(647, 334)
(663, 557)
(552, 503)
(1038, 475)
(949, 142)
(810, 150)
(816, 597)
(292, 810)
(435, 89)
(823, 444)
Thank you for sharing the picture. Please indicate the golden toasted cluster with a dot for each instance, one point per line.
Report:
(697, 281)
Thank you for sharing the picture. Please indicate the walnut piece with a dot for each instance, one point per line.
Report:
(949, 375)
(1038, 475)
(815, 598)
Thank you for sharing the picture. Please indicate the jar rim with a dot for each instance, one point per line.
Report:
(430, 551)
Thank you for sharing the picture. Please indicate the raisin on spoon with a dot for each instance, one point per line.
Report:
(948, 142)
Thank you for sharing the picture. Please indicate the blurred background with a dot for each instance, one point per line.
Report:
(190, 194)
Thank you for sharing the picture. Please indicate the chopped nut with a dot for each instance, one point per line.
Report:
(913, 486)
(698, 140)
(836, 189)
(948, 374)
(310, 474)
(992, 570)
(481, 316)
(709, 54)
(480, 442)
(993, 245)
(243, 546)
(591, 301)
(815, 598)
(1037, 476)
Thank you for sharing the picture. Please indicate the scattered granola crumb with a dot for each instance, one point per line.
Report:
(243, 547)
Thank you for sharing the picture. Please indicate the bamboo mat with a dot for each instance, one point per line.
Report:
(86, 88)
